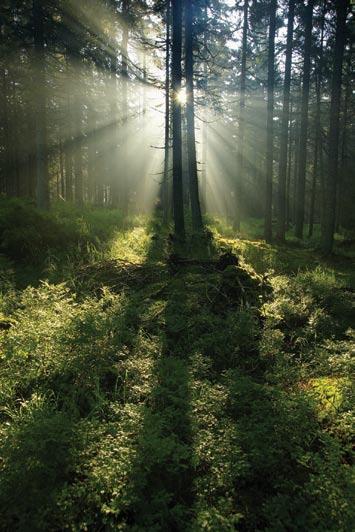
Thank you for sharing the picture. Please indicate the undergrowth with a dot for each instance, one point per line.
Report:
(192, 399)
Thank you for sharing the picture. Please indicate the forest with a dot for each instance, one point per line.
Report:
(177, 265)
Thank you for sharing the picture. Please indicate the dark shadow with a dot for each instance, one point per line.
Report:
(37, 460)
(163, 471)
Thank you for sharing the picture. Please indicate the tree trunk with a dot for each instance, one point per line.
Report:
(78, 152)
(190, 120)
(333, 138)
(240, 148)
(5, 184)
(344, 143)
(113, 93)
(285, 126)
(124, 188)
(302, 161)
(178, 206)
(165, 185)
(270, 123)
(42, 182)
(289, 171)
(204, 123)
(317, 126)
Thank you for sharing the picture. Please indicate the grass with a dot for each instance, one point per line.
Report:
(174, 401)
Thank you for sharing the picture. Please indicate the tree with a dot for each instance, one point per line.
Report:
(302, 159)
(270, 122)
(317, 125)
(285, 126)
(241, 139)
(330, 189)
(178, 207)
(165, 184)
(190, 119)
(42, 187)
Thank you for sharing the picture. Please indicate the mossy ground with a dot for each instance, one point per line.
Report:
(172, 400)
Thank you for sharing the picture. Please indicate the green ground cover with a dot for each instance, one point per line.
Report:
(136, 394)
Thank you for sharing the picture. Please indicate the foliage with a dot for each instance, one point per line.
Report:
(30, 235)
(179, 403)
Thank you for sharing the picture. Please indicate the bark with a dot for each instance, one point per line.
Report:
(178, 206)
(114, 176)
(301, 184)
(124, 195)
(281, 226)
(42, 181)
(289, 171)
(344, 145)
(270, 123)
(165, 185)
(240, 150)
(61, 168)
(317, 127)
(92, 158)
(330, 187)
(190, 120)
(204, 124)
(78, 152)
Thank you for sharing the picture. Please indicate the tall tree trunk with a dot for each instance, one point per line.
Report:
(61, 168)
(113, 91)
(270, 123)
(333, 138)
(301, 184)
(285, 126)
(125, 195)
(78, 152)
(289, 173)
(91, 147)
(190, 119)
(317, 127)
(165, 184)
(42, 183)
(4, 110)
(178, 205)
(204, 123)
(240, 147)
(344, 143)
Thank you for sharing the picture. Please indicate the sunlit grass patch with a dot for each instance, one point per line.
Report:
(131, 245)
(330, 394)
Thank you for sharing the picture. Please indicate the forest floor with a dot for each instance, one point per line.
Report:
(138, 393)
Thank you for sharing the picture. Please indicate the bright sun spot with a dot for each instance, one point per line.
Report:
(181, 97)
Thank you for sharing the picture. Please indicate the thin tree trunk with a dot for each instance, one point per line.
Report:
(125, 194)
(301, 184)
(317, 125)
(270, 123)
(289, 171)
(285, 126)
(78, 152)
(344, 144)
(178, 206)
(330, 188)
(92, 159)
(240, 148)
(5, 187)
(61, 167)
(204, 123)
(165, 185)
(190, 120)
(42, 185)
